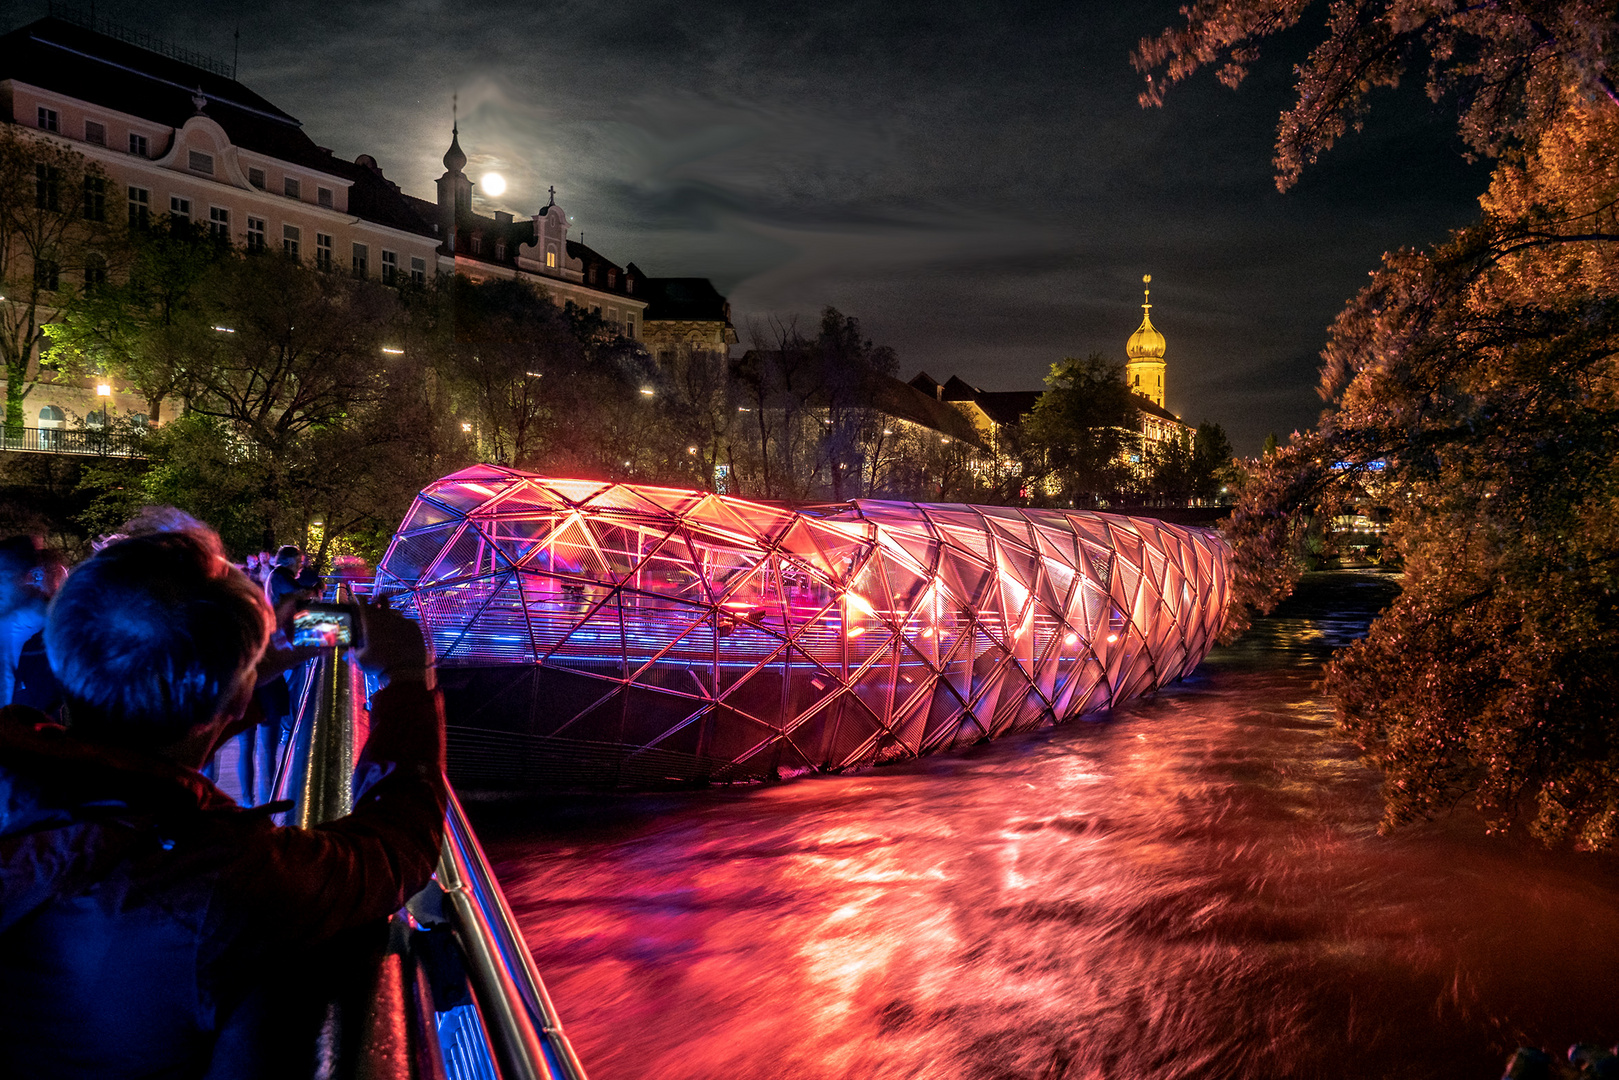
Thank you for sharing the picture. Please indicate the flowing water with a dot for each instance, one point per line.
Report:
(1191, 886)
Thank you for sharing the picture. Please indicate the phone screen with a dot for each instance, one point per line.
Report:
(325, 626)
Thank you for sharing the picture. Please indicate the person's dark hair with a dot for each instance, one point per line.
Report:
(288, 555)
(150, 635)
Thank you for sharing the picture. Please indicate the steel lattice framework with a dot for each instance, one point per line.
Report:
(723, 638)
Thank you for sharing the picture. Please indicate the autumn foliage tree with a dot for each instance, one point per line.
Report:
(1474, 388)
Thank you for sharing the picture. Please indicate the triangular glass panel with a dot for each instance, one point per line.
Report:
(844, 547)
(964, 577)
(467, 495)
(425, 513)
(575, 492)
(411, 555)
(468, 555)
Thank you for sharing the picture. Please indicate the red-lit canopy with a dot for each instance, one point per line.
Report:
(755, 637)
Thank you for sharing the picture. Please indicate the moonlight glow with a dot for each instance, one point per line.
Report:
(494, 184)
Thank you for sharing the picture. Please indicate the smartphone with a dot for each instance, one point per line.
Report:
(326, 625)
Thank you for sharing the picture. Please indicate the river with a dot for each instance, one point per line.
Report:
(1190, 886)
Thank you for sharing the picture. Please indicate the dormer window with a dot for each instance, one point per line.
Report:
(95, 132)
(500, 250)
(477, 243)
(593, 269)
(551, 258)
(612, 279)
(202, 163)
(291, 188)
(629, 287)
(255, 177)
(47, 119)
(323, 197)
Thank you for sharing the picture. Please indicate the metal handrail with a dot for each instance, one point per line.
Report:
(530, 1040)
(521, 1035)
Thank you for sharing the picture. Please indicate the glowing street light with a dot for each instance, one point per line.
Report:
(646, 391)
(103, 390)
(466, 427)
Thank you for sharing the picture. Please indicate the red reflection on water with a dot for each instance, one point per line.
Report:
(1192, 889)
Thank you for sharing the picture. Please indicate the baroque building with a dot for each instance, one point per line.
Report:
(994, 412)
(176, 136)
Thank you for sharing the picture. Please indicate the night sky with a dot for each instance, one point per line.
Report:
(976, 183)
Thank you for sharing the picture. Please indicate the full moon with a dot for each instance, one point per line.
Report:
(494, 184)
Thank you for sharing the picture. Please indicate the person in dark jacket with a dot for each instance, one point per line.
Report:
(141, 911)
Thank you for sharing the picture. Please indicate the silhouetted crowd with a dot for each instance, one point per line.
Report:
(150, 924)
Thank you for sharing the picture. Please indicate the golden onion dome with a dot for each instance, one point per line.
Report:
(1146, 343)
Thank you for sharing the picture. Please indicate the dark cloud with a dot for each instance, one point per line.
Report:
(975, 182)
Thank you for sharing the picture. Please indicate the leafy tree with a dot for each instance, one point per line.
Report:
(1474, 389)
(54, 238)
(138, 323)
(1082, 432)
(1511, 66)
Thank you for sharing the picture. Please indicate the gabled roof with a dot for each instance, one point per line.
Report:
(691, 299)
(1007, 407)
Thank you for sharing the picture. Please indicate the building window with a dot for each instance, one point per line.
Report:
(255, 234)
(290, 235)
(201, 162)
(362, 261)
(323, 251)
(47, 274)
(593, 269)
(612, 278)
(137, 144)
(629, 284)
(290, 188)
(95, 198)
(95, 132)
(476, 243)
(95, 270)
(219, 223)
(140, 206)
(256, 178)
(500, 249)
(418, 270)
(47, 119)
(52, 416)
(390, 267)
(323, 196)
(47, 187)
(180, 209)
(629, 325)
(551, 257)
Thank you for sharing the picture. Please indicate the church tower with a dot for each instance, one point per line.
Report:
(454, 191)
(1144, 371)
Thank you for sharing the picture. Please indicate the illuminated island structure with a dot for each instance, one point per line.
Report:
(597, 634)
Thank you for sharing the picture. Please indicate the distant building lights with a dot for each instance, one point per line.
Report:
(391, 351)
(535, 374)
(224, 330)
(646, 391)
